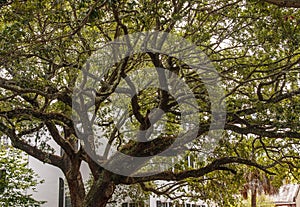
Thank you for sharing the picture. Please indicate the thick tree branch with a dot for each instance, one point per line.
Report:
(261, 132)
(216, 165)
(65, 144)
(31, 150)
(37, 114)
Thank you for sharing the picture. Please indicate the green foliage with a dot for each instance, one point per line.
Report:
(133, 192)
(262, 201)
(16, 179)
(253, 45)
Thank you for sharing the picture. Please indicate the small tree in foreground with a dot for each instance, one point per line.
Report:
(16, 179)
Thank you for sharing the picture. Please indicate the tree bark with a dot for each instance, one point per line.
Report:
(75, 181)
(77, 196)
(76, 193)
(253, 196)
(99, 197)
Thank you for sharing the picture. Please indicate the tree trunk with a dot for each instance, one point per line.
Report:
(99, 196)
(253, 196)
(75, 182)
(77, 192)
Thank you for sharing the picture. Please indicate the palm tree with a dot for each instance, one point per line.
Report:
(257, 183)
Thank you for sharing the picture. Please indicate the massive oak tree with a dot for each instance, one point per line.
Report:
(254, 46)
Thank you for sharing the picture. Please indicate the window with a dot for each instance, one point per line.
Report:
(61, 188)
(188, 205)
(158, 204)
(124, 204)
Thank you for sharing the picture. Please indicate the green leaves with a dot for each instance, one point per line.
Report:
(253, 45)
(16, 179)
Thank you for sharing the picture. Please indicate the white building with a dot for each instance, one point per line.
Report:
(288, 196)
(158, 201)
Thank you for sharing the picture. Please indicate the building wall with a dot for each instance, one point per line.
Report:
(156, 201)
(47, 191)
